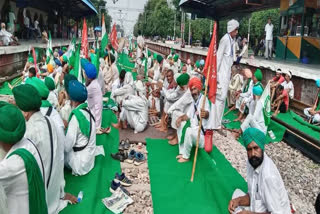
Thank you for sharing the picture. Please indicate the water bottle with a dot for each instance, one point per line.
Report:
(271, 134)
(80, 196)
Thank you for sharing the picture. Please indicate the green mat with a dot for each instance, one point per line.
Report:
(290, 118)
(277, 129)
(6, 90)
(172, 192)
(95, 185)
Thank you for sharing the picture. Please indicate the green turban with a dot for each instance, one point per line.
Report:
(172, 51)
(176, 57)
(197, 64)
(258, 74)
(154, 56)
(65, 58)
(12, 123)
(49, 83)
(159, 58)
(64, 49)
(183, 79)
(254, 135)
(40, 86)
(27, 97)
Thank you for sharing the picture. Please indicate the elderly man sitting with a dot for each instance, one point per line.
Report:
(266, 191)
(122, 87)
(7, 38)
(188, 124)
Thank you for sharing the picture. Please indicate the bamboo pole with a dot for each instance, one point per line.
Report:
(200, 124)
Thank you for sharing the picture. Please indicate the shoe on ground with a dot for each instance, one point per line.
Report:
(120, 156)
(122, 178)
(139, 159)
(121, 145)
(131, 156)
(115, 185)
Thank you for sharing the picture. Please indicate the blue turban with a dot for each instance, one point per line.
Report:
(254, 135)
(77, 91)
(60, 52)
(57, 62)
(318, 83)
(257, 90)
(90, 70)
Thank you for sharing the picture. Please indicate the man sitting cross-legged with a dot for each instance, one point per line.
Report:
(188, 124)
(80, 148)
(281, 102)
(266, 191)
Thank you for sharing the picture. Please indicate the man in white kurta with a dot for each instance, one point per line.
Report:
(121, 89)
(224, 63)
(94, 94)
(110, 74)
(266, 190)
(194, 113)
(135, 109)
(80, 148)
(42, 131)
(14, 186)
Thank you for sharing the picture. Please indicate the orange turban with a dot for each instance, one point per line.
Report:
(195, 82)
(50, 68)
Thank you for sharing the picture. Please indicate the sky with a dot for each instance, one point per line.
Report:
(129, 13)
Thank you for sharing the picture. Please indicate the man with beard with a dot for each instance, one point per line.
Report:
(266, 191)
(188, 124)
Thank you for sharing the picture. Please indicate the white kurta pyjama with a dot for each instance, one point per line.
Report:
(135, 112)
(95, 102)
(13, 179)
(80, 162)
(53, 99)
(266, 189)
(38, 131)
(192, 132)
(225, 61)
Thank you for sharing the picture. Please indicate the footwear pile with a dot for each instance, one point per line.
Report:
(124, 155)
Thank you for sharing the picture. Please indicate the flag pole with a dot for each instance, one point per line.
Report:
(200, 123)
(210, 66)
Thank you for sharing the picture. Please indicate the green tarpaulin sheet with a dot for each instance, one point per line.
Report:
(6, 90)
(294, 120)
(172, 192)
(95, 185)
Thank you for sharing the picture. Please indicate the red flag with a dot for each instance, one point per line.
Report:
(84, 41)
(210, 68)
(113, 37)
(35, 61)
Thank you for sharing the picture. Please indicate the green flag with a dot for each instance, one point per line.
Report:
(76, 71)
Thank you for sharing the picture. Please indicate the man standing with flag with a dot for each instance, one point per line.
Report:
(224, 64)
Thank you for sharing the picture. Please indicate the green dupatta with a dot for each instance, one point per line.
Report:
(37, 197)
(84, 124)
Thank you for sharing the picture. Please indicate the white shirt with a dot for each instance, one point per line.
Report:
(53, 99)
(36, 24)
(13, 178)
(269, 30)
(26, 22)
(82, 161)
(37, 130)
(192, 114)
(289, 87)
(266, 189)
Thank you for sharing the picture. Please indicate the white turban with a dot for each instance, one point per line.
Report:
(232, 25)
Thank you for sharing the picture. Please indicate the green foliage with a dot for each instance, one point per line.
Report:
(258, 22)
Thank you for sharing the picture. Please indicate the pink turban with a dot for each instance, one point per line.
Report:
(195, 82)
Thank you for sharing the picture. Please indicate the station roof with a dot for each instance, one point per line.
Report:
(71, 8)
(222, 9)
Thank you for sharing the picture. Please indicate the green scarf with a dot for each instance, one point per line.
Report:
(84, 124)
(45, 103)
(247, 86)
(184, 129)
(37, 197)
